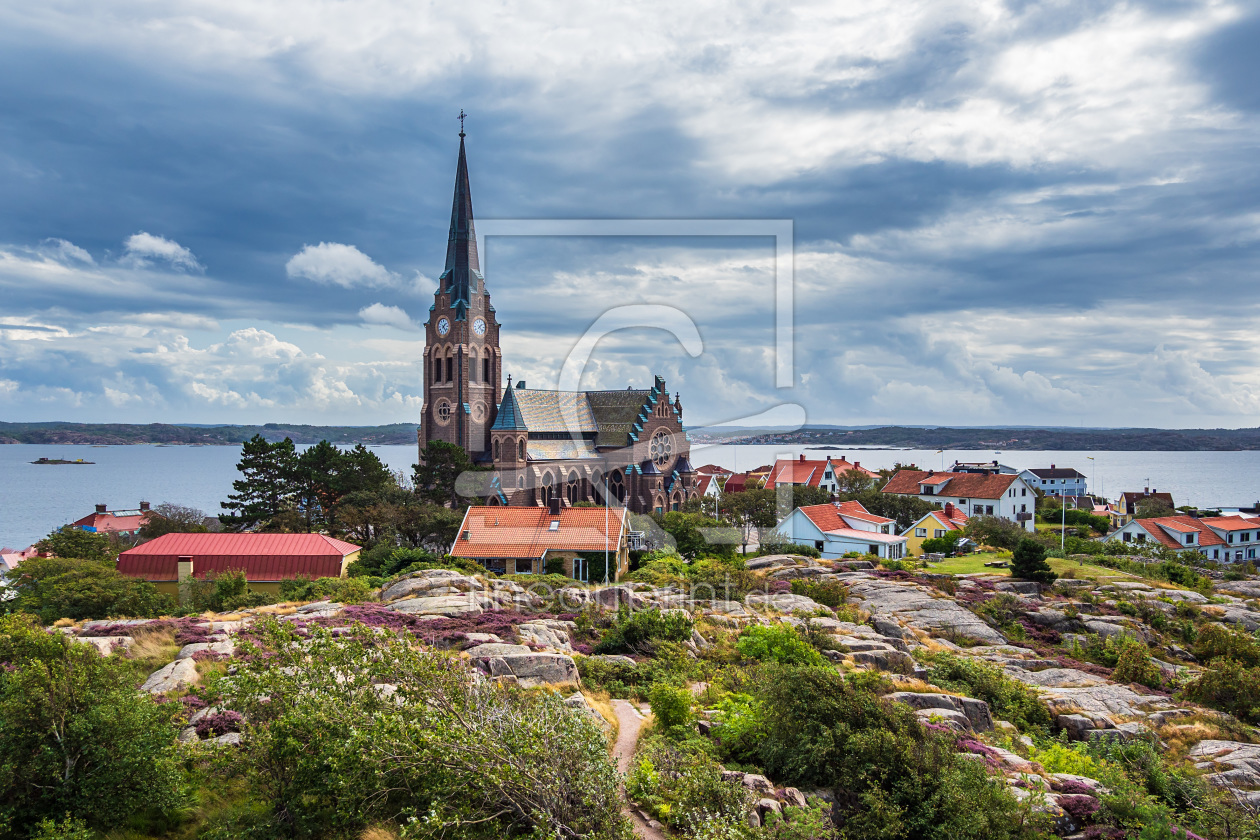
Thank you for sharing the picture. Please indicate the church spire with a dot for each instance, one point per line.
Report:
(462, 267)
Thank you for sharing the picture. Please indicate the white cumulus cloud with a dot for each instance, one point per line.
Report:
(335, 264)
(143, 248)
(387, 316)
(66, 252)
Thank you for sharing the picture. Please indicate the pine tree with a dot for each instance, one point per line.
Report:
(1028, 562)
(443, 464)
(267, 487)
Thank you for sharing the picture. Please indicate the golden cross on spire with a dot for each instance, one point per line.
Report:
(461, 122)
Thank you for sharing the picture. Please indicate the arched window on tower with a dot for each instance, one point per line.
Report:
(496, 450)
(520, 449)
(450, 369)
(574, 488)
(437, 371)
(472, 365)
(485, 369)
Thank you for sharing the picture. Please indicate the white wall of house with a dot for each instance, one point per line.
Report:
(1056, 486)
(799, 529)
(1018, 498)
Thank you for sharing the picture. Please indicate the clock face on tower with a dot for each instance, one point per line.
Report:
(479, 326)
(444, 326)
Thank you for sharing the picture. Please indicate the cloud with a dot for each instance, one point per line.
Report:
(67, 252)
(387, 316)
(143, 248)
(334, 264)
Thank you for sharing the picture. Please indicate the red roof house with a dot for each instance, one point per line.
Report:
(264, 558)
(1004, 495)
(1181, 533)
(529, 538)
(838, 529)
(103, 521)
(824, 473)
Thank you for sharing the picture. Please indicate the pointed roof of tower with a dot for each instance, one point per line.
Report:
(462, 267)
(509, 416)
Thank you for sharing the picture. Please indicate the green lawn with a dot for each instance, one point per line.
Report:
(971, 564)
(974, 564)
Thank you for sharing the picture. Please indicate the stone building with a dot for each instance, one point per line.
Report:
(575, 446)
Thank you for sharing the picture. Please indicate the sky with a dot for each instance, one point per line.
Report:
(1002, 212)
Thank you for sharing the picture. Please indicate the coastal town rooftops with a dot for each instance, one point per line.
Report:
(810, 472)
(494, 532)
(263, 557)
(1231, 523)
(962, 485)
(104, 521)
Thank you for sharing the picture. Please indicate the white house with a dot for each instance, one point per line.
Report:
(1002, 495)
(1056, 481)
(840, 528)
(824, 473)
(1232, 539)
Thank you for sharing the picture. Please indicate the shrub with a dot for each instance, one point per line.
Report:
(671, 705)
(1227, 685)
(328, 753)
(829, 593)
(224, 592)
(76, 740)
(345, 590)
(777, 545)
(779, 643)
(637, 631)
(1009, 699)
(1134, 664)
(685, 790)
(939, 545)
(891, 776)
(1216, 642)
(54, 588)
(1028, 562)
(67, 829)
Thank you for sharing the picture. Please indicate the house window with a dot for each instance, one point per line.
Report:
(1189, 539)
(920, 532)
(554, 526)
(1246, 537)
(818, 544)
(988, 509)
(938, 532)
(1023, 491)
(873, 549)
(1251, 554)
(1231, 537)
(1023, 508)
(1216, 554)
(1128, 537)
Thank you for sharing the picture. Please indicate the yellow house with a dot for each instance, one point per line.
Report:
(938, 523)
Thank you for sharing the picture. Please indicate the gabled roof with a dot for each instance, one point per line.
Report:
(494, 532)
(714, 469)
(1163, 527)
(551, 411)
(830, 518)
(1231, 523)
(809, 471)
(962, 485)
(110, 522)
(615, 413)
(263, 557)
(957, 523)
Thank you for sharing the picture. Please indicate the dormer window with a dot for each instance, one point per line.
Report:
(1189, 539)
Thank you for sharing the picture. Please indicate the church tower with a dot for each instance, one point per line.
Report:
(462, 362)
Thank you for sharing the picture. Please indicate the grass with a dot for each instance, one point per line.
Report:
(974, 564)
(971, 564)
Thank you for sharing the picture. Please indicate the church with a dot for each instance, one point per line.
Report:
(545, 448)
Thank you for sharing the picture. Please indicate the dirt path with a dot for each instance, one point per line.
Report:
(629, 722)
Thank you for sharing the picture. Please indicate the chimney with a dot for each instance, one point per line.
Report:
(144, 506)
(949, 510)
(1052, 466)
(554, 506)
(857, 463)
(802, 458)
(101, 508)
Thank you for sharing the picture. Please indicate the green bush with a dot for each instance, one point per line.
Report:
(671, 705)
(1028, 562)
(1009, 699)
(684, 789)
(829, 593)
(777, 545)
(726, 579)
(55, 587)
(1229, 686)
(67, 829)
(1134, 664)
(345, 590)
(225, 592)
(891, 777)
(329, 754)
(940, 545)
(77, 742)
(1216, 642)
(779, 643)
(639, 630)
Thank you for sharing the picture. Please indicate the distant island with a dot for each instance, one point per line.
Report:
(945, 437)
(113, 434)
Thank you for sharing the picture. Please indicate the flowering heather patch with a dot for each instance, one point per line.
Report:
(219, 723)
(192, 702)
(971, 745)
(583, 648)
(193, 635)
(779, 586)
(1044, 635)
(1071, 786)
(1105, 832)
(1080, 807)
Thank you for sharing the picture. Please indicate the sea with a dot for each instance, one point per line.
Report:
(37, 499)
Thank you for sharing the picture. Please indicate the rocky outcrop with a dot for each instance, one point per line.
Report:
(220, 648)
(1231, 764)
(975, 714)
(923, 609)
(532, 670)
(176, 675)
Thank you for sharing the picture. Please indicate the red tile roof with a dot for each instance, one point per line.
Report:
(494, 532)
(263, 557)
(1231, 523)
(955, 523)
(809, 472)
(962, 485)
(1180, 524)
(830, 518)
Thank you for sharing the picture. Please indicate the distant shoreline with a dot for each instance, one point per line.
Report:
(886, 437)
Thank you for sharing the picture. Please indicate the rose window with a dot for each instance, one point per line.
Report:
(661, 448)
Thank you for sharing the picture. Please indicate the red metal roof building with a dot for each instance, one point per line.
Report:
(265, 558)
(103, 521)
(528, 538)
